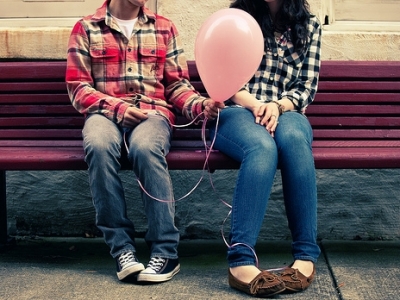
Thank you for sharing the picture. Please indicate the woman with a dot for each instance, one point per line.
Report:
(263, 126)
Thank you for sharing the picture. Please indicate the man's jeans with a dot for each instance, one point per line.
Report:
(148, 143)
(260, 154)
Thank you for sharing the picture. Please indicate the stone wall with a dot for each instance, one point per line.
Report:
(353, 204)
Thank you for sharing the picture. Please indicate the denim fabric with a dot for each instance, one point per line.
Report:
(148, 143)
(260, 154)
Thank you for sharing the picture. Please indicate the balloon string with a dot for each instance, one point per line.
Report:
(208, 150)
(226, 204)
(236, 244)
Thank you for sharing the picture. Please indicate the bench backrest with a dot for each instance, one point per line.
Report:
(34, 104)
(355, 101)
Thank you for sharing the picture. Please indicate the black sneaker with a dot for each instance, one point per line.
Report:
(159, 270)
(127, 264)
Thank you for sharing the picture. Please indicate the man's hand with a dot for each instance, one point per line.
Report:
(132, 117)
(211, 107)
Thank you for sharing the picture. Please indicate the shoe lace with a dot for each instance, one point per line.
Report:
(156, 263)
(292, 273)
(258, 283)
(126, 257)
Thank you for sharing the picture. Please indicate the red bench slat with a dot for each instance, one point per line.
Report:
(41, 122)
(350, 98)
(342, 109)
(359, 86)
(357, 134)
(40, 134)
(32, 87)
(33, 70)
(345, 70)
(354, 122)
(39, 109)
(27, 99)
(71, 158)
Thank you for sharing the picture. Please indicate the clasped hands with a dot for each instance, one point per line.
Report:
(267, 115)
(133, 116)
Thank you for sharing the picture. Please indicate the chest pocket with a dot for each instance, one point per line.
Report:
(152, 59)
(105, 63)
(103, 53)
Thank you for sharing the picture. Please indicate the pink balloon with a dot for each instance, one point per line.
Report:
(228, 50)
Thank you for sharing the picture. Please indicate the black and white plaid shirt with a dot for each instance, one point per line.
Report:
(284, 73)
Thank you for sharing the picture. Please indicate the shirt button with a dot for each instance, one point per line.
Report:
(271, 78)
(131, 89)
(275, 54)
(129, 49)
(129, 69)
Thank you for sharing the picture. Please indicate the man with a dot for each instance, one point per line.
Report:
(127, 74)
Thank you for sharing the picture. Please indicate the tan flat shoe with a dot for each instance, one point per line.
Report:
(264, 284)
(296, 281)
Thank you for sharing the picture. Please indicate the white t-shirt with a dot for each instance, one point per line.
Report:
(126, 26)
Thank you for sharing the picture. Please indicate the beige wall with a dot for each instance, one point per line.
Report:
(26, 40)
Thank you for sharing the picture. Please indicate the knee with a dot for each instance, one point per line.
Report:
(146, 152)
(297, 136)
(264, 153)
(101, 147)
(294, 139)
(294, 130)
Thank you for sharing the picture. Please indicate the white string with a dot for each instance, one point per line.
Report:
(207, 154)
(225, 203)
(208, 151)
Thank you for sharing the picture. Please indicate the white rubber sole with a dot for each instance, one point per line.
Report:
(148, 277)
(135, 269)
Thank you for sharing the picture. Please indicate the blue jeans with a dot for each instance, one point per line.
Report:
(260, 155)
(149, 143)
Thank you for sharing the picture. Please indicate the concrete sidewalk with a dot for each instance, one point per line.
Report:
(77, 268)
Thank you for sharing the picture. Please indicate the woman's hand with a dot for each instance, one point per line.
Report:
(267, 115)
(211, 107)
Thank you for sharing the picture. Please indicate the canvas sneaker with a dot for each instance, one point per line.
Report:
(159, 270)
(127, 265)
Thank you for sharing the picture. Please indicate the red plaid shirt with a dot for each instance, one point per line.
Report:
(107, 72)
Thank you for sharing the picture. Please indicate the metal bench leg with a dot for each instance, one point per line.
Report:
(5, 241)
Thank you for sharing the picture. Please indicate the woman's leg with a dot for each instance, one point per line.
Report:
(241, 138)
(293, 137)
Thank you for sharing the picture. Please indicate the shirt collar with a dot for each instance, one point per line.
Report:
(102, 13)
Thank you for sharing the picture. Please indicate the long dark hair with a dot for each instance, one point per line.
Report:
(294, 14)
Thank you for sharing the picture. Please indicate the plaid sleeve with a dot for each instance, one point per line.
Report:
(178, 88)
(305, 86)
(80, 83)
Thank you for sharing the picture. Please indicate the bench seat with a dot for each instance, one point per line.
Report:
(61, 155)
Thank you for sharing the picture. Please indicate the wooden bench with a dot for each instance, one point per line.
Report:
(355, 118)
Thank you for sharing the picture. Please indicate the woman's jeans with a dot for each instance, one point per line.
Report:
(148, 144)
(260, 155)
